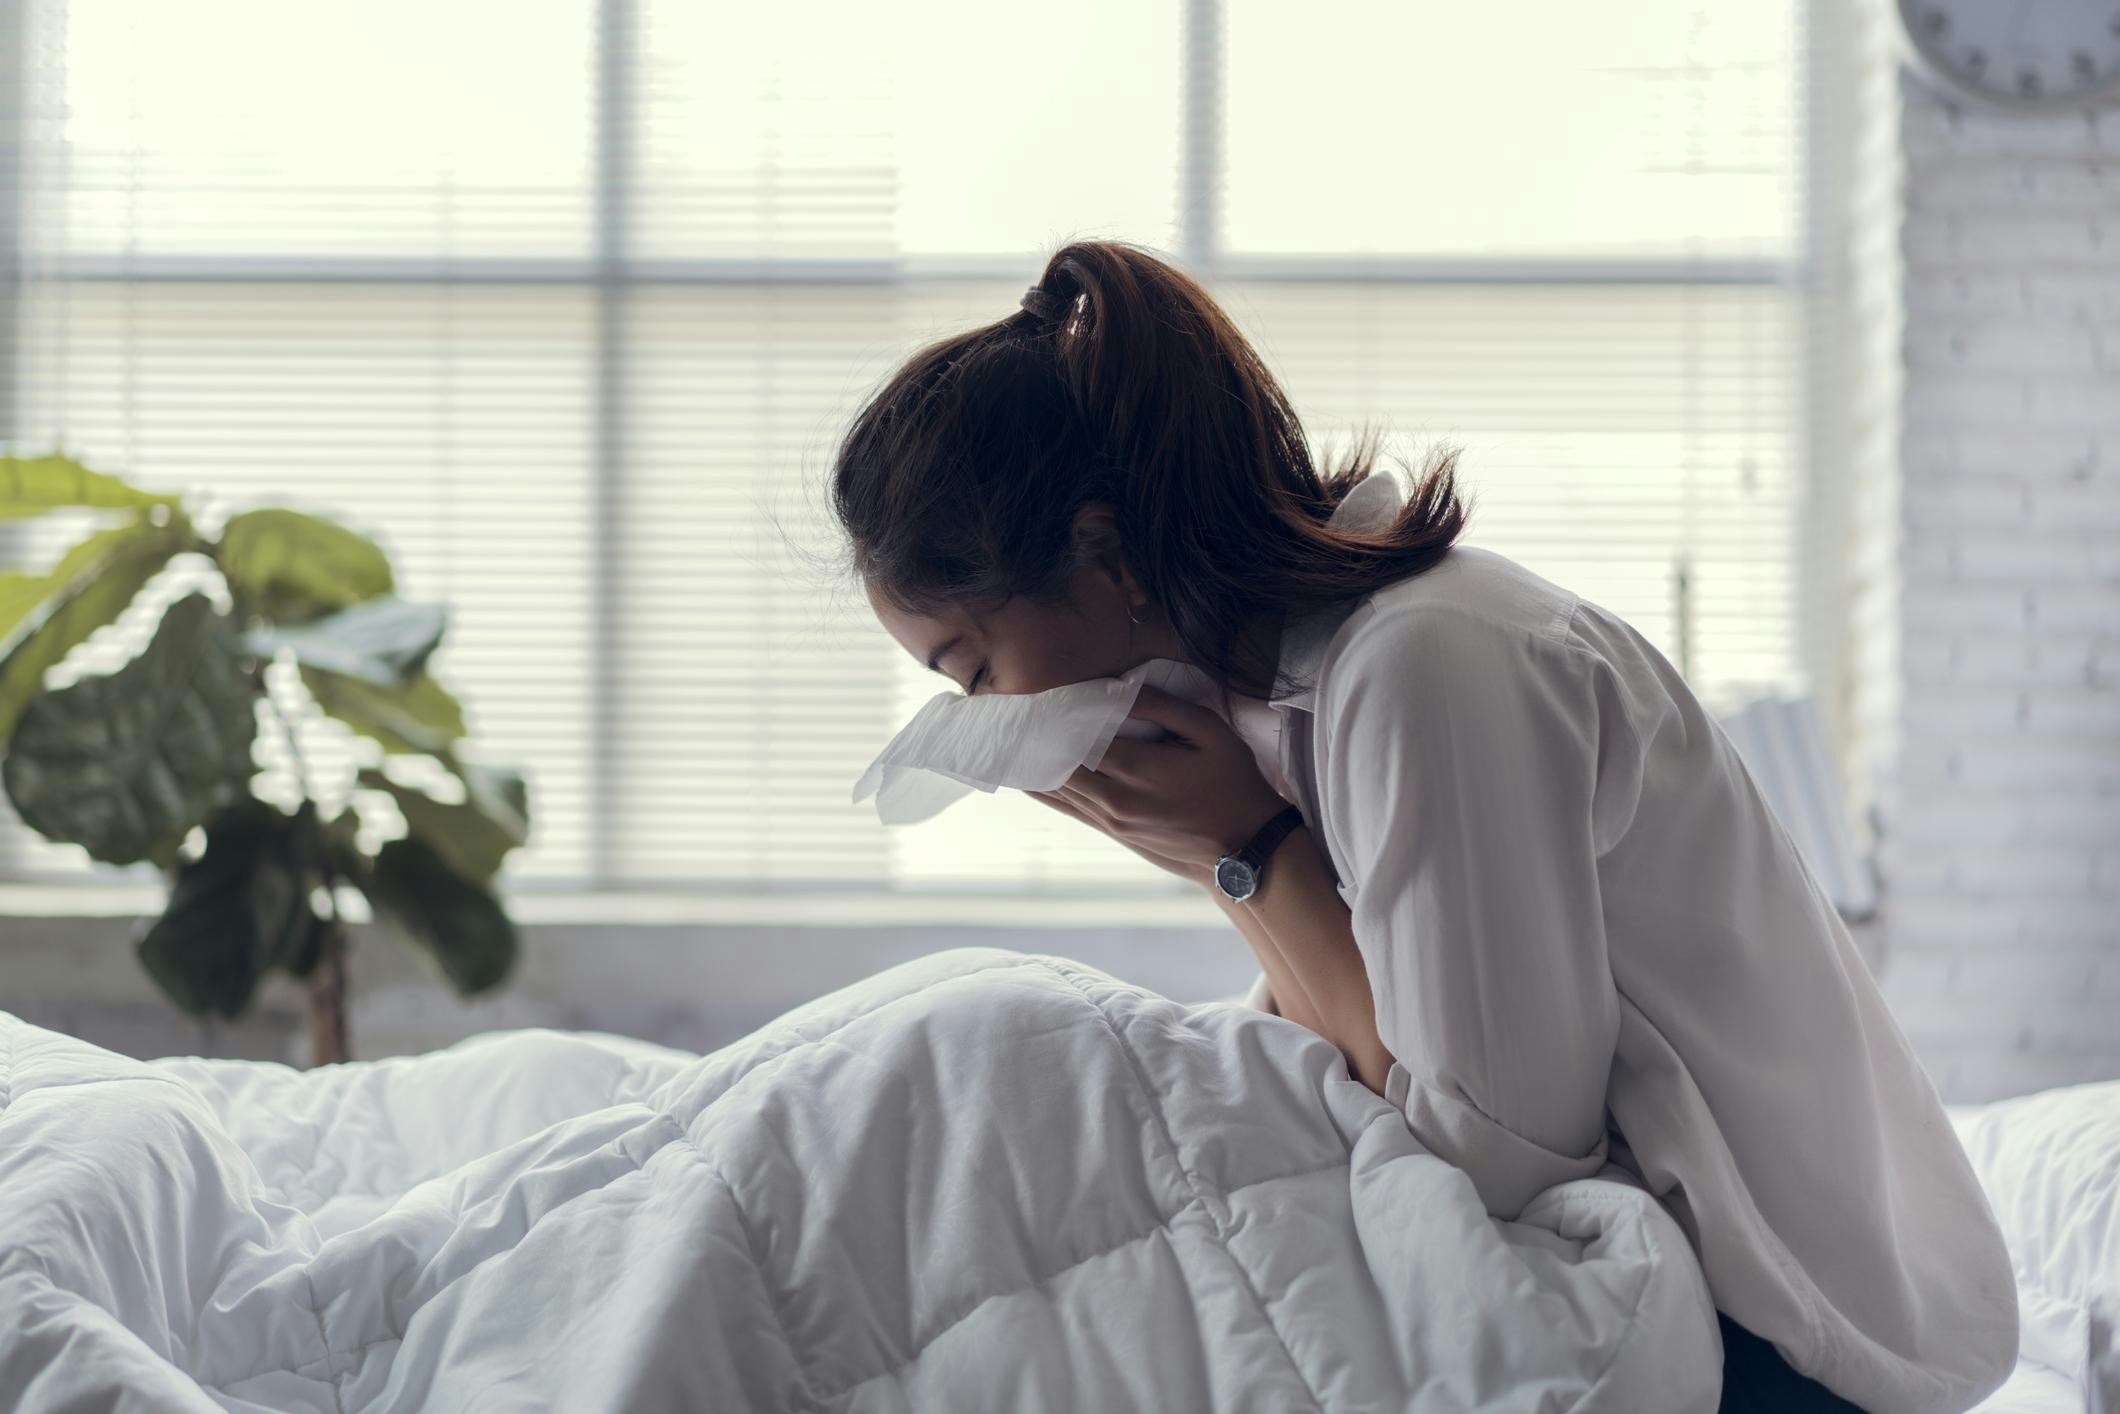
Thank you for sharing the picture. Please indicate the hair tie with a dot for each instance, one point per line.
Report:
(1044, 303)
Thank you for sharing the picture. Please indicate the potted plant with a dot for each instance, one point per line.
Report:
(144, 763)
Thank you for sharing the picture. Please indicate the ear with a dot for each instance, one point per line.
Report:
(1096, 542)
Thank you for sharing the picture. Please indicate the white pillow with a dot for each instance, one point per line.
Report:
(2051, 1165)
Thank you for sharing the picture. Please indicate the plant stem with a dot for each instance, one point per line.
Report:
(328, 1040)
(327, 998)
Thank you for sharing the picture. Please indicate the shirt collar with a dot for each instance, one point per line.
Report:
(1370, 505)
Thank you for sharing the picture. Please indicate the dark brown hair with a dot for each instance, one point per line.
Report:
(1126, 384)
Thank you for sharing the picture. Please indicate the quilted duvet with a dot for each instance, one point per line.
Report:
(980, 1181)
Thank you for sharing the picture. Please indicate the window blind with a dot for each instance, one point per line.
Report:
(568, 304)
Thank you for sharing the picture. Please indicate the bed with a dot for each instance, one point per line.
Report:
(879, 1202)
(2050, 1163)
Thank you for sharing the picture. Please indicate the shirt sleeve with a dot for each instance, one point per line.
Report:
(1460, 777)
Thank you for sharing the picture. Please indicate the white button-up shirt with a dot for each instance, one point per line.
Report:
(1588, 938)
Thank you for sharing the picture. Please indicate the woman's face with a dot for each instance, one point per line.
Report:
(1022, 647)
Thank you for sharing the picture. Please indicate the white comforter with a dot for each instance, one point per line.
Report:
(981, 1181)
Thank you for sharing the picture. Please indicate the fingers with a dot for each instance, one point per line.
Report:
(1190, 720)
(1073, 804)
(1107, 795)
(1127, 757)
(1068, 802)
(1078, 802)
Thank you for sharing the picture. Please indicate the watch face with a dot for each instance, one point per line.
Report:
(1234, 877)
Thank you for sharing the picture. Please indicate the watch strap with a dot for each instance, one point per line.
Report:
(1268, 837)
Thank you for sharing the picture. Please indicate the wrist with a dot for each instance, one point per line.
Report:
(1240, 873)
(1281, 866)
(1248, 826)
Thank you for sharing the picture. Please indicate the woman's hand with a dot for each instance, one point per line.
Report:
(1190, 873)
(1180, 803)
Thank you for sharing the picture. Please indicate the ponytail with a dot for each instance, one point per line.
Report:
(1120, 380)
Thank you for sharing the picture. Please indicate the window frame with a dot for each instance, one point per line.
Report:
(612, 275)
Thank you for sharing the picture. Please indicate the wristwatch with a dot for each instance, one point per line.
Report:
(1237, 875)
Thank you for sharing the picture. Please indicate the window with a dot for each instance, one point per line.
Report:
(567, 304)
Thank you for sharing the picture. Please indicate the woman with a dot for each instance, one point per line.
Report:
(1531, 893)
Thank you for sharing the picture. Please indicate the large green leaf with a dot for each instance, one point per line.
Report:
(383, 641)
(474, 835)
(500, 793)
(30, 486)
(295, 567)
(419, 717)
(20, 594)
(235, 912)
(126, 764)
(45, 617)
(461, 924)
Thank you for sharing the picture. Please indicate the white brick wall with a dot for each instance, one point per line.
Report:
(1985, 664)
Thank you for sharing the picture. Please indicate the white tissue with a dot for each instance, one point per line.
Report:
(1028, 741)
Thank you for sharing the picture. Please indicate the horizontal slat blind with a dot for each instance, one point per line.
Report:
(1659, 128)
(755, 691)
(256, 130)
(256, 279)
(452, 422)
(867, 132)
(1611, 435)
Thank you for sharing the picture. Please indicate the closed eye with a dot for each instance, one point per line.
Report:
(977, 678)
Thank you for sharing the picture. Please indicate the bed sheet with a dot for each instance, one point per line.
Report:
(2050, 1165)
